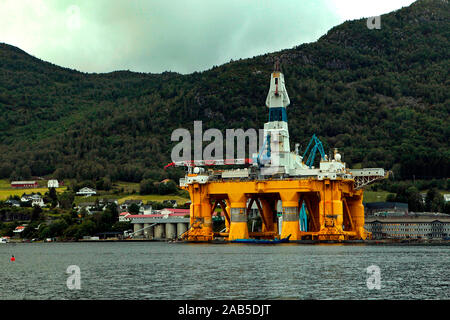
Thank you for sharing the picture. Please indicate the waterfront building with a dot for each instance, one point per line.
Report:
(123, 216)
(412, 226)
(168, 223)
(172, 211)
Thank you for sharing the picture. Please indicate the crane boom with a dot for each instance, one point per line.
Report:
(317, 146)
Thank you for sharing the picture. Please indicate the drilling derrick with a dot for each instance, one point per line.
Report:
(323, 203)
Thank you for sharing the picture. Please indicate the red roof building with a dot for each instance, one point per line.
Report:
(19, 229)
(24, 184)
(124, 216)
(176, 211)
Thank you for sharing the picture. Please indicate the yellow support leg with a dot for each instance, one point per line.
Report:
(291, 224)
(238, 213)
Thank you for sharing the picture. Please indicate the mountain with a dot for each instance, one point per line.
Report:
(379, 95)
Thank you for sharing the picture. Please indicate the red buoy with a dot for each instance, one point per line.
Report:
(13, 259)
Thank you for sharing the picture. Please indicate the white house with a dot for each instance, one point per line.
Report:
(124, 216)
(53, 183)
(146, 209)
(19, 229)
(26, 197)
(86, 192)
(36, 199)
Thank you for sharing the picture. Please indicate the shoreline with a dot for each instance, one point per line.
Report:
(384, 242)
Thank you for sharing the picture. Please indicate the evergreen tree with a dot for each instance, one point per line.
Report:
(36, 213)
(53, 197)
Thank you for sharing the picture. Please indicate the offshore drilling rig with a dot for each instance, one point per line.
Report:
(322, 203)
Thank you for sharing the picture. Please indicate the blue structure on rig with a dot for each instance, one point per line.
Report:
(317, 146)
(303, 218)
(309, 162)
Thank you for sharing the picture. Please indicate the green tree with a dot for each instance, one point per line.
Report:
(66, 199)
(133, 208)
(31, 231)
(73, 231)
(167, 187)
(434, 201)
(104, 184)
(114, 209)
(83, 212)
(55, 229)
(415, 202)
(68, 218)
(147, 186)
(447, 207)
(86, 228)
(122, 226)
(391, 197)
(36, 213)
(53, 197)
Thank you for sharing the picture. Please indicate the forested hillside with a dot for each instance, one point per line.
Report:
(380, 95)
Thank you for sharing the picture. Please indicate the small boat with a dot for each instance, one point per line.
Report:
(258, 241)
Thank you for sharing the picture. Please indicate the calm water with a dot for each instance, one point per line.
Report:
(151, 270)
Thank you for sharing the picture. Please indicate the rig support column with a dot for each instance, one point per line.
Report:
(238, 213)
(290, 225)
(200, 215)
(357, 214)
(332, 212)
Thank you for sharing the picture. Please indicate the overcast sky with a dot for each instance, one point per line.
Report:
(176, 35)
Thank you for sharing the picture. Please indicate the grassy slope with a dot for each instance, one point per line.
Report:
(375, 196)
(6, 190)
(122, 197)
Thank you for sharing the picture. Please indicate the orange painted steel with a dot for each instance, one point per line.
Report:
(334, 207)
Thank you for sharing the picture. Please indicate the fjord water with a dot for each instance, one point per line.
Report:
(156, 270)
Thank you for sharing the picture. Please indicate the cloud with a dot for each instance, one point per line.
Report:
(356, 9)
(160, 35)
